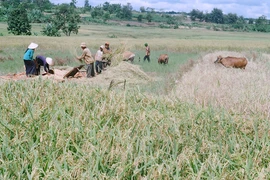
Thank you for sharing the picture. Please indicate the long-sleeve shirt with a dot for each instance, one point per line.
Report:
(99, 55)
(28, 55)
(86, 56)
(41, 61)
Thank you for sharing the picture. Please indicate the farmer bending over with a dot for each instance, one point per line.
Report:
(46, 62)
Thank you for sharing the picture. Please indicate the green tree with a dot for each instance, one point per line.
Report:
(194, 14)
(230, 18)
(149, 9)
(18, 23)
(251, 21)
(142, 9)
(171, 20)
(262, 24)
(126, 12)
(106, 16)
(106, 6)
(115, 8)
(201, 16)
(97, 12)
(149, 17)
(42, 5)
(67, 19)
(207, 17)
(217, 16)
(87, 6)
(240, 23)
(36, 16)
(73, 3)
(10, 3)
(3, 14)
(140, 17)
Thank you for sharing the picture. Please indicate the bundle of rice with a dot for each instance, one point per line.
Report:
(123, 71)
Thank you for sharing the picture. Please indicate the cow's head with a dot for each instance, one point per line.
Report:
(218, 59)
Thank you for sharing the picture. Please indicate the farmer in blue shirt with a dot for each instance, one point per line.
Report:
(46, 62)
(30, 66)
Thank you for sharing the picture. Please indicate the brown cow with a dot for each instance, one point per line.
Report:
(234, 62)
(163, 58)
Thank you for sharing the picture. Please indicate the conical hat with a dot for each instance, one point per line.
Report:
(32, 46)
(50, 61)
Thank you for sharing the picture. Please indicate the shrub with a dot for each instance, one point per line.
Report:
(112, 36)
(50, 30)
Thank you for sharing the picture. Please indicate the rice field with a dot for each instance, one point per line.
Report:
(190, 119)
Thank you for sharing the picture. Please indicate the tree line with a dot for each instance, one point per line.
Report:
(237, 22)
(65, 18)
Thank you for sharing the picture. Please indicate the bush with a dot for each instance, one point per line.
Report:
(112, 36)
(163, 26)
(50, 30)
(215, 28)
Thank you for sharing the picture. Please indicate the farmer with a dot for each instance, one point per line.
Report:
(88, 59)
(107, 55)
(98, 59)
(147, 52)
(30, 66)
(46, 62)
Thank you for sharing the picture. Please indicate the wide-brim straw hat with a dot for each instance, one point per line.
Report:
(102, 46)
(50, 61)
(83, 44)
(32, 46)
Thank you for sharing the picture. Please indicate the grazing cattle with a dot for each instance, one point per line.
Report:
(128, 56)
(163, 58)
(234, 62)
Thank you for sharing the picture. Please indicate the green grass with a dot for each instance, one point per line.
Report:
(175, 60)
(166, 74)
(73, 130)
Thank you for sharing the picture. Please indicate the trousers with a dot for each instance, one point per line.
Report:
(90, 71)
(146, 57)
(30, 67)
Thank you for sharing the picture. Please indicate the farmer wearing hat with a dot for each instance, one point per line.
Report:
(30, 66)
(147, 53)
(46, 62)
(98, 59)
(88, 59)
